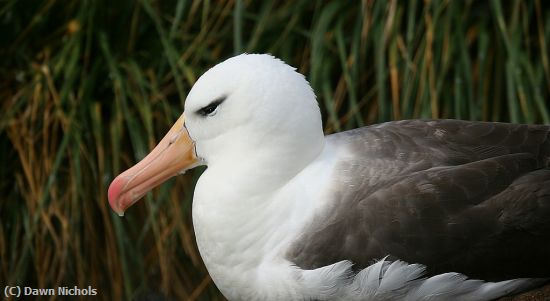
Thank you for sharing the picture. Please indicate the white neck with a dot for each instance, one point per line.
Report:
(245, 224)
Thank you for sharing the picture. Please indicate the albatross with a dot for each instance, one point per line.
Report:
(403, 210)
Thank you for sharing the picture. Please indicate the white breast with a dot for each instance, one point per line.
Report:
(243, 232)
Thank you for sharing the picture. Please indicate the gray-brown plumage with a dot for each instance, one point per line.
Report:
(467, 197)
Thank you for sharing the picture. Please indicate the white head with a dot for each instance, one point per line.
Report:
(252, 108)
(264, 108)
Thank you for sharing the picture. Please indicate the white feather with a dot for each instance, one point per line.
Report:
(398, 280)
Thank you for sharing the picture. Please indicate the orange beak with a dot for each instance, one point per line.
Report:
(174, 154)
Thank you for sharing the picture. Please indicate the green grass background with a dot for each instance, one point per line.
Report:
(88, 87)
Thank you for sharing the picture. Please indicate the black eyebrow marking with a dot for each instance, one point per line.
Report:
(208, 109)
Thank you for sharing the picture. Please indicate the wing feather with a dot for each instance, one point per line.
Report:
(456, 196)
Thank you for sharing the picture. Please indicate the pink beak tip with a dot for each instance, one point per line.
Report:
(113, 194)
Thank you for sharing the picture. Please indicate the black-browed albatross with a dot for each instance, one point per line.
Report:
(405, 210)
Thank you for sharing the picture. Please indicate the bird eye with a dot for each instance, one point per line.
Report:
(211, 108)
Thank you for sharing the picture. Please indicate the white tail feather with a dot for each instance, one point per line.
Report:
(398, 280)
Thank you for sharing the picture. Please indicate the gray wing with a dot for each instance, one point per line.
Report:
(468, 197)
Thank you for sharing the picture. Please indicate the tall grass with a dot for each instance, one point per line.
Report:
(88, 87)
